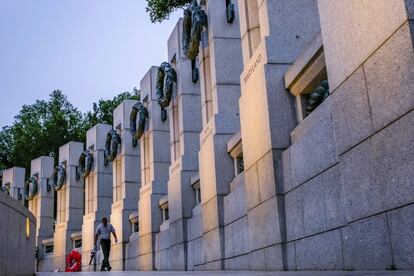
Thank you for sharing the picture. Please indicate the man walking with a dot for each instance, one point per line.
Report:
(104, 230)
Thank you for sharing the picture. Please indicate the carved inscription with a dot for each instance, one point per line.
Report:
(145, 190)
(205, 134)
(253, 68)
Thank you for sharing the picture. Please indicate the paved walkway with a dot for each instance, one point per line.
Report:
(241, 273)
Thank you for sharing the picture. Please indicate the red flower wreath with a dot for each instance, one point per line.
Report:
(73, 261)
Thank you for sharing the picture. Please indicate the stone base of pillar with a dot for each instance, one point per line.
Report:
(90, 222)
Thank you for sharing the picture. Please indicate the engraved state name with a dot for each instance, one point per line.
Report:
(253, 68)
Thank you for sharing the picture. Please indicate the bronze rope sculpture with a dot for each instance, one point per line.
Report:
(58, 177)
(85, 165)
(142, 112)
(230, 11)
(317, 97)
(111, 146)
(31, 188)
(194, 21)
(5, 188)
(166, 77)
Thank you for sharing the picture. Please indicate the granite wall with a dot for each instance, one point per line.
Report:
(348, 174)
(17, 247)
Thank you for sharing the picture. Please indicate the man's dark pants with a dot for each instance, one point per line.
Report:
(106, 248)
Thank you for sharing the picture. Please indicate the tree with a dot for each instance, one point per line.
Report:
(41, 128)
(102, 112)
(160, 10)
(6, 146)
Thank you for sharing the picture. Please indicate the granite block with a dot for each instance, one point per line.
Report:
(288, 26)
(353, 30)
(266, 173)
(387, 157)
(401, 224)
(235, 205)
(264, 225)
(390, 78)
(351, 112)
(274, 258)
(320, 252)
(334, 201)
(281, 105)
(286, 171)
(213, 245)
(314, 216)
(237, 263)
(313, 147)
(291, 256)
(294, 214)
(218, 26)
(257, 260)
(362, 194)
(252, 187)
(226, 61)
(366, 244)
(409, 4)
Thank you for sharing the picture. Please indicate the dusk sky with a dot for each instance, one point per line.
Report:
(89, 49)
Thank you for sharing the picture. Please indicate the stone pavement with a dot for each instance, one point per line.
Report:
(242, 273)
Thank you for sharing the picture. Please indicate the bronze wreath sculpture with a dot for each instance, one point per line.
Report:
(84, 165)
(111, 146)
(230, 11)
(166, 77)
(194, 21)
(317, 97)
(141, 110)
(5, 188)
(58, 177)
(195, 18)
(31, 188)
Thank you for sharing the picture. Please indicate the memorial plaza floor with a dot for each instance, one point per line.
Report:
(241, 273)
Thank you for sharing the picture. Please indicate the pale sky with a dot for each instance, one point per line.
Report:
(89, 49)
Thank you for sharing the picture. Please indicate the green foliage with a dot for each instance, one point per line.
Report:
(41, 128)
(6, 146)
(102, 110)
(161, 9)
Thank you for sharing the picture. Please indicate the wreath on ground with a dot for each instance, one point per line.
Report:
(73, 262)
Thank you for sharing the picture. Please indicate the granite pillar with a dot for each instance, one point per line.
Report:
(286, 28)
(98, 193)
(220, 67)
(126, 184)
(14, 179)
(69, 204)
(42, 205)
(155, 161)
(185, 126)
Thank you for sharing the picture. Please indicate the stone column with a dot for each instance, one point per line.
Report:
(69, 204)
(185, 126)
(274, 34)
(14, 179)
(42, 204)
(155, 161)
(98, 192)
(126, 184)
(220, 68)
